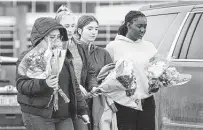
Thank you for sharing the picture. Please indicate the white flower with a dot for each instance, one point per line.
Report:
(156, 70)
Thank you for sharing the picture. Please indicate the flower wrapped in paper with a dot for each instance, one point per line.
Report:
(125, 75)
(35, 64)
(161, 74)
(42, 61)
(130, 81)
(120, 83)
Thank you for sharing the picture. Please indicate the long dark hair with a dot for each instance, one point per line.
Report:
(123, 29)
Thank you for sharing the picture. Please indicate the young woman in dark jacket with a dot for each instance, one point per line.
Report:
(34, 94)
(87, 29)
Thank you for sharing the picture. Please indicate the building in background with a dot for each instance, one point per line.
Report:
(109, 13)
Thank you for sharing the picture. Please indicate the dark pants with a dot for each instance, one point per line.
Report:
(79, 125)
(131, 119)
(33, 122)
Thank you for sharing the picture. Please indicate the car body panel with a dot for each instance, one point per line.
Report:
(179, 107)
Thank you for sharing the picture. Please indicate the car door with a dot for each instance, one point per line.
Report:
(181, 107)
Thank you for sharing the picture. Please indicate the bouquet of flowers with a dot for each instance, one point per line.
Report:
(35, 64)
(161, 74)
(129, 82)
(42, 61)
(119, 83)
(126, 77)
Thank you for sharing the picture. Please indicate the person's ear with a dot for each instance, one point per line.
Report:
(79, 31)
(128, 24)
(45, 39)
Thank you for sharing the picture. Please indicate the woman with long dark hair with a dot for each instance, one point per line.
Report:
(129, 42)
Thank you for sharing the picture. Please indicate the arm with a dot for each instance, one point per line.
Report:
(82, 108)
(29, 86)
(91, 79)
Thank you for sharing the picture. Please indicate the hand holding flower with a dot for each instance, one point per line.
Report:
(52, 81)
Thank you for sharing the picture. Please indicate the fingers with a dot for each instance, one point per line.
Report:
(52, 81)
(85, 118)
(83, 90)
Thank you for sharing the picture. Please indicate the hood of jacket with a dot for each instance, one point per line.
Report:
(43, 26)
(125, 39)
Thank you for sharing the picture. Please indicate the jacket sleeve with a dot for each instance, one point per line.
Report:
(91, 79)
(82, 108)
(29, 86)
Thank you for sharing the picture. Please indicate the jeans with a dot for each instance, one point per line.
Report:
(33, 122)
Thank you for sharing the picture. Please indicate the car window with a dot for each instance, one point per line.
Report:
(195, 48)
(157, 26)
(189, 44)
(184, 36)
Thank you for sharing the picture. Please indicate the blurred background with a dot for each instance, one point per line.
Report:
(18, 16)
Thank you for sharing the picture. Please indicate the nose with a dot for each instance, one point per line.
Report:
(68, 30)
(94, 32)
(142, 30)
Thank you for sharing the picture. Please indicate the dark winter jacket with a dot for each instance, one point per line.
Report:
(88, 75)
(34, 94)
(99, 57)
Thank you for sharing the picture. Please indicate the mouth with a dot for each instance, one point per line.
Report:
(93, 37)
(141, 35)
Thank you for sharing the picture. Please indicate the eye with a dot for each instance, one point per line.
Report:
(58, 36)
(67, 26)
(139, 26)
(51, 37)
(90, 29)
(96, 29)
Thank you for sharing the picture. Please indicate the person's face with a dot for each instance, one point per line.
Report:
(137, 27)
(89, 32)
(54, 38)
(68, 22)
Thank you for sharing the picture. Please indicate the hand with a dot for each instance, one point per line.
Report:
(83, 90)
(52, 82)
(94, 91)
(85, 119)
(134, 97)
